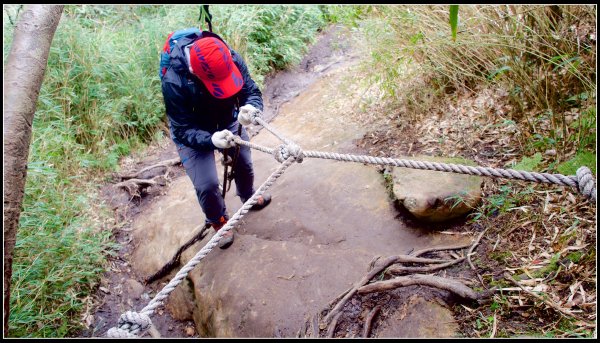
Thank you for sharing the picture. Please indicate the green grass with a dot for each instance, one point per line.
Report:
(547, 68)
(529, 163)
(585, 158)
(270, 38)
(101, 100)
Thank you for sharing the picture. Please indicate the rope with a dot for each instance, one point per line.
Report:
(132, 322)
(240, 141)
(586, 183)
(284, 151)
(583, 181)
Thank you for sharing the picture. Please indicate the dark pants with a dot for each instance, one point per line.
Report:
(202, 170)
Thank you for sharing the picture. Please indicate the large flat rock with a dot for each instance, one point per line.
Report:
(327, 221)
(436, 196)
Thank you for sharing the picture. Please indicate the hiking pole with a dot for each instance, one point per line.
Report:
(230, 162)
(226, 161)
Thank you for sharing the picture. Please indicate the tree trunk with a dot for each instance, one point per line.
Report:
(24, 72)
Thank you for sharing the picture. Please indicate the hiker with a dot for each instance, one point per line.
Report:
(208, 92)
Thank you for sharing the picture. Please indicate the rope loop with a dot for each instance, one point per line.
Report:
(586, 183)
(119, 333)
(130, 323)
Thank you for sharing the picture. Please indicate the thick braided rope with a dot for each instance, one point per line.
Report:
(583, 181)
(240, 141)
(258, 120)
(130, 324)
(134, 320)
(283, 152)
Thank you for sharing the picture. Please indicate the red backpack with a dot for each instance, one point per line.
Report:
(165, 59)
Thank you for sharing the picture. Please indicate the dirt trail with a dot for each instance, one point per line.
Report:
(121, 289)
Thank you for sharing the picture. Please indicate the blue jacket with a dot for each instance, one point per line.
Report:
(194, 114)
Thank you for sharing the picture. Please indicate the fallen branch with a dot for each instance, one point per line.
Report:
(135, 186)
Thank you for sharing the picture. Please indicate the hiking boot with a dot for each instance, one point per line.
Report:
(227, 238)
(262, 202)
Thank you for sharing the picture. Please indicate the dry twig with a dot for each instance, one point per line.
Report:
(549, 302)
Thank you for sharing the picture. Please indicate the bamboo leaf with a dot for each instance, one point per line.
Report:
(453, 20)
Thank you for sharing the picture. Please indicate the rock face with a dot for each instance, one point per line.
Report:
(326, 223)
(435, 196)
(414, 320)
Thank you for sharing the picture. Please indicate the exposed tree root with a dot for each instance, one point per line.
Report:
(144, 173)
(449, 247)
(331, 328)
(369, 320)
(395, 265)
(174, 262)
(157, 174)
(470, 252)
(405, 270)
(447, 284)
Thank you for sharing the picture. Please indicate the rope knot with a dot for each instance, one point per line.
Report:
(586, 183)
(130, 323)
(285, 151)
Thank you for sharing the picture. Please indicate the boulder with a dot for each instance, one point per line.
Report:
(436, 196)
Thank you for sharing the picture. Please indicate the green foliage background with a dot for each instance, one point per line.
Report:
(100, 100)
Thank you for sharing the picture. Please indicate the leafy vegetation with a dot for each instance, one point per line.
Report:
(515, 88)
(543, 57)
(101, 100)
(269, 37)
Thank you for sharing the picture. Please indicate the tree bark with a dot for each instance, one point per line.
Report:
(24, 72)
